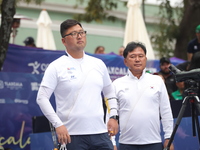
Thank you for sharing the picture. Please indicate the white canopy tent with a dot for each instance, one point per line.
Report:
(45, 37)
(135, 29)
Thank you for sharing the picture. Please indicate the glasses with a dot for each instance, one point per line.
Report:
(75, 34)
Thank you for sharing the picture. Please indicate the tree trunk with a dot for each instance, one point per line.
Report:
(188, 24)
(7, 12)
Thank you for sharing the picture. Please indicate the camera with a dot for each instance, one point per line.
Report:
(185, 75)
(192, 78)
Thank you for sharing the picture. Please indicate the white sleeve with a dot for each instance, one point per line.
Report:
(42, 100)
(110, 96)
(166, 113)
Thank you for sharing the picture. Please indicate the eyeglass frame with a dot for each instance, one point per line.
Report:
(77, 33)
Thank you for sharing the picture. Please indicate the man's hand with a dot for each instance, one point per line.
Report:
(63, 135)
(112, 126)
(166, 143)
(115, 147)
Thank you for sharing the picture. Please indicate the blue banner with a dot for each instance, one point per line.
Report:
(35, 61)
(18, 93)
(19, 82)
(28, 60)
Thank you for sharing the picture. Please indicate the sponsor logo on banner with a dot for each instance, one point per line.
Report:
(13, 85)
(117, 70)
(35, 86)
(38, 67)
(21, 101)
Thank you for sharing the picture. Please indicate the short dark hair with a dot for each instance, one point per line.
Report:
(164, 60)
(29, 40)
(97, 48)
(65, 25)
(16, 20)
(133, 45)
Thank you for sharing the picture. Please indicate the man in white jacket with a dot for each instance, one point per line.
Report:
(143, 102)
(77, 80)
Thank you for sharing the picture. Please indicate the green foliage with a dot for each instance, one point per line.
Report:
(164, 40)
(26, 1)
(96, 10)
(8, 9)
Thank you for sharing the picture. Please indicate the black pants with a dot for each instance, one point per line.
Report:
(155, 146)
(90, 142)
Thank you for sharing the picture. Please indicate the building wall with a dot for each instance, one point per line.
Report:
(109, 34)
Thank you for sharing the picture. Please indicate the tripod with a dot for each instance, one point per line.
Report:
(191, 96)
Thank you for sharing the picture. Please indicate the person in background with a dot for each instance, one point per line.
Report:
(194, 44)
(15, 25)
(161, 77)
(168, 76)
(30, 42)
(195, 64)
(99, 50)
(193, 47)
(120, 51)
(143, 103)
(183, 66)
(195, 61)
(77, 80)
(179, 94)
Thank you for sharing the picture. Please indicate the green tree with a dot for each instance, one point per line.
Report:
(8, 10)
(164, 40)
(176, 28)
(97, 10)
(187, 25)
